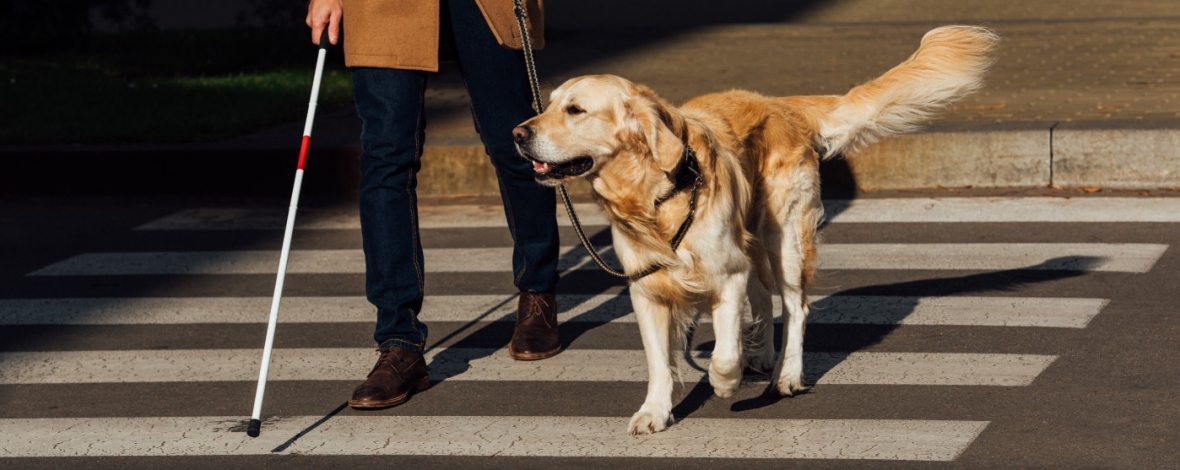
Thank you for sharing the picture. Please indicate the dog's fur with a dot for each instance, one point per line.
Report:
(757, 213)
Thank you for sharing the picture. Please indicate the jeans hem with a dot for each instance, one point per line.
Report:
(401, 343)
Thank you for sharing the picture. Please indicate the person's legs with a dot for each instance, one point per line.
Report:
(390, 105)
(498, 85)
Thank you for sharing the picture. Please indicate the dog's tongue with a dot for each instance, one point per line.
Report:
(540, 167)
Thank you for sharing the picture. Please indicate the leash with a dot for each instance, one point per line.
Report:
(688, 161)
(529, 63)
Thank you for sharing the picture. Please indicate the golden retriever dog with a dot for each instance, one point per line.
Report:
(747, 168)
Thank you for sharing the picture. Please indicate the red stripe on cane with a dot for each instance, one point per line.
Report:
(303, 151)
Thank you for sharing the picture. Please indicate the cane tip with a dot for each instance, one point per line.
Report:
(255, 428)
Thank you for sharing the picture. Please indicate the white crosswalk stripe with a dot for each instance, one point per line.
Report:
(584, 363)
(1005, 209)
(1131, 257)
(868, 310)
(544, 436)
(574, 365)
(915, 210)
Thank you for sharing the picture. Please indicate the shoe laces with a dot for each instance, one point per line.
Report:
(390, 357)
(535, 306)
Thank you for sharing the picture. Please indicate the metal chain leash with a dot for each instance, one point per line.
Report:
(527, 48)
(534, 84)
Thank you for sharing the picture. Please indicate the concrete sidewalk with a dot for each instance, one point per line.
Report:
(1085, 93)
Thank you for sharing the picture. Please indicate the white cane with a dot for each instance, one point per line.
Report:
(255, 427)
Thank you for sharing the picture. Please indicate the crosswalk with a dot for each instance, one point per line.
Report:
(850, 309)
(1134, 258)
(474, 364)
(604, 355)
(495, 436)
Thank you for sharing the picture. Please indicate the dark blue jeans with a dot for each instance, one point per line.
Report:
(391, 108)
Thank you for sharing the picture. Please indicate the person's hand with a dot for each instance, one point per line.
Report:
(325, 13)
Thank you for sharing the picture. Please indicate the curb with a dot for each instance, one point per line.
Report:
(1141, 156)
(1125, 156)
(1112, 155)
(1013, 155)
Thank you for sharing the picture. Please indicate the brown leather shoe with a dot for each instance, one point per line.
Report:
(398, 374)
(535, 336)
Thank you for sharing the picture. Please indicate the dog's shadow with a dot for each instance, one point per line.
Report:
(853, 338)
(456, 358)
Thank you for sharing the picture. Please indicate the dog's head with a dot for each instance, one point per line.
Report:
(591, 121)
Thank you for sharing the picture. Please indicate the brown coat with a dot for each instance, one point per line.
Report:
(403, 34)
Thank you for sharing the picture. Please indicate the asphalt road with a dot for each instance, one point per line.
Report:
(947, 332)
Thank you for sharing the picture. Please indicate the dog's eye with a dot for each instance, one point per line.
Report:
(574, 110)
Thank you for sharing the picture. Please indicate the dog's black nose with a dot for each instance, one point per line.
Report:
(522, 134)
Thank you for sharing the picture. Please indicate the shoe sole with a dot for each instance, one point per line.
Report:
(532, 356)
(374, 405)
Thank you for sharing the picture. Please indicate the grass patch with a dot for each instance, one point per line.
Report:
(165, 87)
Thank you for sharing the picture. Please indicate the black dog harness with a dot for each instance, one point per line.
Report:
(686, 175)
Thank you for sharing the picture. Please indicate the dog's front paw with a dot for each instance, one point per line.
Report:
(648, 420)
(790, 383)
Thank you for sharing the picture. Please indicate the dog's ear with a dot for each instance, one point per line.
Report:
(653, 122)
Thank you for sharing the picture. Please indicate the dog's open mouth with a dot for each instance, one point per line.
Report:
(572, 168)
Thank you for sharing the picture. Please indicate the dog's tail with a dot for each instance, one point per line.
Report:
(949, 64)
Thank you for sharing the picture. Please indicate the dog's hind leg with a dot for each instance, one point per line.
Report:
(789, 379)
(759, 347)
(656, 329)
(725, 364)
(798, 266)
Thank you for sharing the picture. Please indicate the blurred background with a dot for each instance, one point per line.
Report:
(120, 71)
(132, 81)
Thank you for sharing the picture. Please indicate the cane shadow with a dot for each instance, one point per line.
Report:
(305, 431)
(837, 337)
(474, 345)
